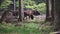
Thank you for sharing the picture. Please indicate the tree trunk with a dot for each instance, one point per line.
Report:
(14, 2)
(57, 15)
(52, 11)
(50, 8)
(21, 13)
(48, 11)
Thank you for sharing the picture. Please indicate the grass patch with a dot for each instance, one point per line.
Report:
(26, 28)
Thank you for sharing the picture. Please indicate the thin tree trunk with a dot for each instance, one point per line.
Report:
(14, 2)
(52, 9)
(21, 13)
(47, 10)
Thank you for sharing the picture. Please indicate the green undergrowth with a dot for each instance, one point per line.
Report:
(25, 28)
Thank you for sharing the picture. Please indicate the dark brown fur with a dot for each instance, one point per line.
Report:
(29, 13)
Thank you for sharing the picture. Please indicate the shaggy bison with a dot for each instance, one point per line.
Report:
(29, 13)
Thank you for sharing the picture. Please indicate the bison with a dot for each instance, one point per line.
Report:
(29, 13)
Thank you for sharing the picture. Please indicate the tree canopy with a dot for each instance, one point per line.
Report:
(33, 4)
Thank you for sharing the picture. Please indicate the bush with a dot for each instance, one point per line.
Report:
(40, 7)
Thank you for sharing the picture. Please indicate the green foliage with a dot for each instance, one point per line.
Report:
(27, 4)
(5, 3)
(31, 7)
(26, 28)
(40, 7)
(17, 3)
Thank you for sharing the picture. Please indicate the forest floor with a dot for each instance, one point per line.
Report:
(36, 26)
(26, 28)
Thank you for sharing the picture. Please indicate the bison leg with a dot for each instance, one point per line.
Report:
(31, 16)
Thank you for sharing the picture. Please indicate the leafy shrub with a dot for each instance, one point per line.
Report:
(5, 3)
(40, 7)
